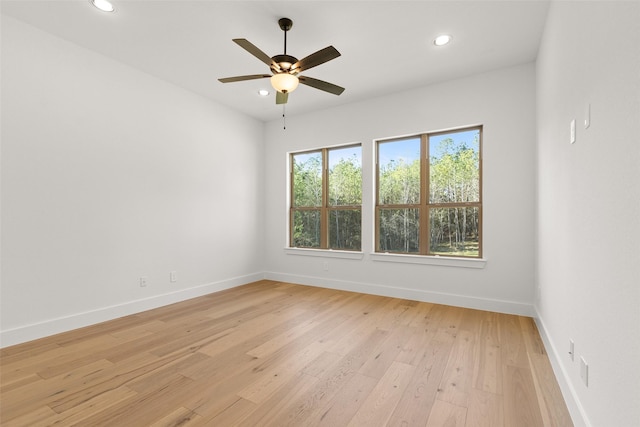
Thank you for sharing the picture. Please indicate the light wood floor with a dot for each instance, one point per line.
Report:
(278, 354)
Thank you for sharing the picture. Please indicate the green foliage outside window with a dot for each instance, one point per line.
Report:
(327, 199)
(429, 199)
(448, 222)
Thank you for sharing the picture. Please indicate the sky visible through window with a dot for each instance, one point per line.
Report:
(304, 157)
(352, 154)
(408, 149)
(468, 139)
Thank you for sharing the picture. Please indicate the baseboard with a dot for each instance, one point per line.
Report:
(63, 324)
(500, 306)
(576, 410)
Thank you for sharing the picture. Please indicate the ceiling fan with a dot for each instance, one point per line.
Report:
(285, 68)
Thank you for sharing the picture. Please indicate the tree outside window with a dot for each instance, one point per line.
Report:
(326, 198)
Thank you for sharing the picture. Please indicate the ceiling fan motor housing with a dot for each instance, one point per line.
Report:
(285, 62)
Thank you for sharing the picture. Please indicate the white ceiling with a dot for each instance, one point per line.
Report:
(386, 46)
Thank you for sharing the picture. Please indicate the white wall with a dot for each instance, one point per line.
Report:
(589, 205)
(109, 174)
(504, 102)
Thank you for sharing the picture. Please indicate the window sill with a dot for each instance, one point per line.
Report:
(325, 253)
(430, 260)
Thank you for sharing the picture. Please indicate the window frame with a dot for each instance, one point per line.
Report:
(325, 208)
(425, 206)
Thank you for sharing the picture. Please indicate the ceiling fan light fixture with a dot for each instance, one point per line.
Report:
(103, 5)
(442, 40)
(284, 82)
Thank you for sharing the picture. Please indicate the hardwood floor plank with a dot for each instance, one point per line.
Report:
(552, 407)
(386, 353)
(472, 320)
(379, 405)
(485, 410)
(450, 318)
(416, 403)
(400, 313)
(9, 384)
(231, 415)
(356, 332)
(445, 414)
(100, 403)
(139, 331)
(322, 363)
(314, 325)
(37, 394)
(211, 396)
(513, 348)
(40, 417)
(334, 379)
(339, 410)
(277, 354)
(275, 377)
(180, 417)
(109, 379)
(413, 348)
(27, 351)
(455, 386)
(144, 409)
(278, 409)
(45, 363)
(487, 374)
(521, 406)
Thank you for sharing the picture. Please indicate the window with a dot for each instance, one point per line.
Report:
(326, 198)
(429, 195)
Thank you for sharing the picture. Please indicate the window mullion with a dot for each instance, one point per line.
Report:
(424, 195)
(324, 211)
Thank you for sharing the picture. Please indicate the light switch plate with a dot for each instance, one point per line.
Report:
(571, 349)
(573, 131)
(587, 116)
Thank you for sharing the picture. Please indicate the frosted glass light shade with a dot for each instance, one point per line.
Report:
(284, 82)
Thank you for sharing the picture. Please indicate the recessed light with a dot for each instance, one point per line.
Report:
(263, 92)
(103, 5)
(442, 40)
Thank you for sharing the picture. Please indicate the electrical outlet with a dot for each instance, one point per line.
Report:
(173, 276)
(571, 352)
(143, 282)
(584, 371)
(325, 265)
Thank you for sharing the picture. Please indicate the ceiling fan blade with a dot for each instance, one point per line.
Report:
(322, 85)
(320, 57)
(252, 49)
(241, 78)
(281, 98)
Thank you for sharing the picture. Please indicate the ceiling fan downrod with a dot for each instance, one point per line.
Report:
(285, 25)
